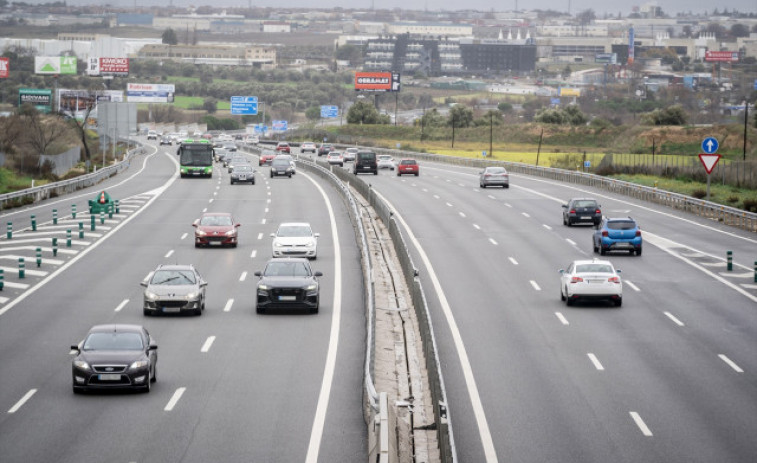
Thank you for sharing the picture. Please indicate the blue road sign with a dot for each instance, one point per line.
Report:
(587, 164)
(279, 125)
(755, 84)
(329, 111)
(710, 145)
(244, 105)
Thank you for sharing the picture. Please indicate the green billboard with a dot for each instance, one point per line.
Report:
(41, 99)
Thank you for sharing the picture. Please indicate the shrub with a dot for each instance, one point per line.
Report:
(750, 205)
(733, 199)
(699, 193)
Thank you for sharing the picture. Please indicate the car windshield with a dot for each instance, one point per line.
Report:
(294, 231)
(216, 220)
(113, 341)
(286, 269)
(173, 277)
(585, 204)
(621, 225)
(242, 168)
(281, 163)
(408, 161)
(366, 156)
(495, 170)
(385, 157)
(593, 268)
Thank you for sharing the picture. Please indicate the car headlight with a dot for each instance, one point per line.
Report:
(191, 296)
(311, 287)
(311, 243)
(81, 364)
(277, 244)
(231, 233)
(263, 287)
(138, 364)
(149, 295)
(200, 233)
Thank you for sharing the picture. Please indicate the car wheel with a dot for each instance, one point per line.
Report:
(197, 245)
(375, 172)
(314, 310)
(252, 183)
(594, 247)
(602, 250)
(290, 175)
(618, 302)
(231, 182)
(154, 376)
(638, 252)
(568, 301)
(565, 222)
(568, 222)
(562, 296)
(271, 174)
(507, 186)
(481, 185)
(146, 312)
(417, 174)
(234, 245)
(77, 390)
(259, 309)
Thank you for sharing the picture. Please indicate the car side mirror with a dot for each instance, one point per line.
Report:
(258, 273)
(565, 206)
(273, 235)
(195, 224)
(561, 271)
(318, 274)
(237, 225)
(203, 284)
(617, 270)
(75, 347)
(316, 235)
(143, 283)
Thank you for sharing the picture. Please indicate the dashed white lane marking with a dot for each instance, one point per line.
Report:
(227, 307)
(175, 399)
(425, 190)
(260, 236)
(633, 286)
(491, 197)
(215, 193)
(449, 204)
(640, 423)
(269, 200)
(205, 210)
(748, 286)
(508, 205)
(184, 236)
(546, 226)
(436, 196)
(476, 227)
(737, 275)
(210, 200)
(570, 241)
(562, 318)
(595, 361)
(253, 253)
(535, 285)
(515, 262)
(525, 214)
(266, 210)
(121, 305)
(731, 363)
(208, 343)
(462, 214)
(243, 276)
(23, 400)
(713, 264)
(168, 254)
(673, 317)
(491, 240)
(269, 193)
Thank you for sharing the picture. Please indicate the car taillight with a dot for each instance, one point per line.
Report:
(576, 279)
(614, 280)
(487, 175)
(572, 211)
(638, 232)
(605, 233)
(597, 211)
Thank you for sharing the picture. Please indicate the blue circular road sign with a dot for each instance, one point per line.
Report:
(710, 145)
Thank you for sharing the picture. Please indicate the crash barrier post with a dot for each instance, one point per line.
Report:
(9, 234)
(118, 207)
(110, 210)
(2, 279)
(73, 211)
(21, 268)
(68, 238)
(102, 217)
(81, 230)
(91, 223)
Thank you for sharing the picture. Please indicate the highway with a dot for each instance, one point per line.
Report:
(669, 377)
(232, 385)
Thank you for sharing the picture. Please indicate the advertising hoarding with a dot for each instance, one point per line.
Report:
(54, 65)
(98, 66)
(150, 93)
(721, 56)
(564, 91)
(630, 46)
(377, 81)
(4, 67)
(41, 99)
(279, 126)
(76, 103)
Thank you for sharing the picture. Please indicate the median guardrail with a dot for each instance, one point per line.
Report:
(51, 190)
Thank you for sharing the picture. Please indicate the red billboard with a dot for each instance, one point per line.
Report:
(4, 67)
(377, 81)
(722, 56)
(108, 67)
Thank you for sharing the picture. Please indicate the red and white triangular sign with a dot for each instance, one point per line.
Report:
(709, 161)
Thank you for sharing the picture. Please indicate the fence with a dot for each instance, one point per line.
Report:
(62, 162)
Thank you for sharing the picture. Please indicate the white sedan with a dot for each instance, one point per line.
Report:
(591, 280)
(385, 161)
(295, 239)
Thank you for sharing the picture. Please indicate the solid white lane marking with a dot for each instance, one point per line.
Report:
(23, 400)
(175, 399)
(476, 227)
(737, 275)
(168, 254)
(262, 222)
(184, 236)
(208, 343)
(675, 320)
(487, 442)
(562, 318)
(260, 236)
(462, 214)
(449, 204)
(731, 363)
(535, 285)
(640, 423)
(227, 307)
(633, 286)
(595, 361)
(253, 253)
(319, 421)
(121, 305)
(546, 226)
(515, 262)
(525, 214)
(491, 240)
(243, 276)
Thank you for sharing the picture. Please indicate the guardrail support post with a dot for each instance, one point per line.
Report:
(55, 247)
(73, 211)
(118, 207)
(9, 234)
(68, 238)
(92, 223)
(2, 279)
(729, 260)
(34, 222)
(81, 230)
(21, 268)
(55, 216)
(39, 257)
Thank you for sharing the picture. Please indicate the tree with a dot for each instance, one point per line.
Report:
(504, 107)
(41, 131)
(460, 116)
(313, 113)
(673, 115)
(363, 112)
(349, 53)
(210, 105)
(169, 37)
(739, 30)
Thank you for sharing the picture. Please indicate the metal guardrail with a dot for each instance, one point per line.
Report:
(51, 190)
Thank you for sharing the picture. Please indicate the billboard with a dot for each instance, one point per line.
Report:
(721, 56)
(279, 126)
(4, 67)
(564, 91)
(377, 81)
(54, 65)
(41, 99)
(118, 67)
(150, 93)
(76, 103)
(606, 58)
(630, 46)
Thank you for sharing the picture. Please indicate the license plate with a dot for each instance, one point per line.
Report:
(366, 167)
(215, 243)
(109, 377)
(585, 217)
(196, 173)
(595, 281)
(171, 309)
(287, 298)
(242, 177)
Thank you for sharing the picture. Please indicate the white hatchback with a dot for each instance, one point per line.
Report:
(591, 280)
(295, 239)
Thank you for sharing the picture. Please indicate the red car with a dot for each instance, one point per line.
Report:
(266, 157)
(215, 229)
(283, 147)
(407, 166)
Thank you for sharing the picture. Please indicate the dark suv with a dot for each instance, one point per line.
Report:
(581, 210)
(365, 162)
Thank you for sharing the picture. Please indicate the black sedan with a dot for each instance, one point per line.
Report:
(287, 283)
(115, 356)
(580, 210)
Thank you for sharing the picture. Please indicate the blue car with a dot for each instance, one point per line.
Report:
(617, 234)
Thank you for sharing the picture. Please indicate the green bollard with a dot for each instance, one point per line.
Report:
(73, 211)
(102, 217)
(91, 223)
(729, 260)
(39, 257)
(34, 223)
(10, 230)
(110, 210)
(2, 279)
(81, 230)
(55, 216)
(21, 268)
(68, 238)
(55, 247)
(118, 208)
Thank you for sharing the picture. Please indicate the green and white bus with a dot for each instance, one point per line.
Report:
(195, 158)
